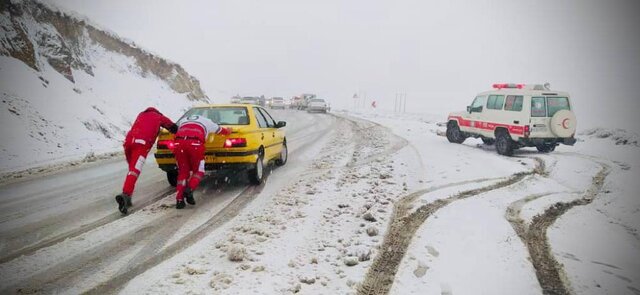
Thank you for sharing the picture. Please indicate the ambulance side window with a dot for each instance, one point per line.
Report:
(513, 103)
(495, 102)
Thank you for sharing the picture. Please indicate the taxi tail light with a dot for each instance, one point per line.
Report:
(527, 130)
(165, 144)
(235, 142)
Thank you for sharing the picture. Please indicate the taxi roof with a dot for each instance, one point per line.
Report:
(224, 105)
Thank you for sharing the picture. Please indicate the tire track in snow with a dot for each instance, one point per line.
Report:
(64, 275)
(80, 230)
(549, 272)
(403, 226)
(217, 220)
(108, 266)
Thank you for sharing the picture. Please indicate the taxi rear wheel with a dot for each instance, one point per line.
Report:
(256, 174)
(284, 155)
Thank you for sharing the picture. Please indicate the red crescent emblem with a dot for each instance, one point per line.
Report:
(564, 123)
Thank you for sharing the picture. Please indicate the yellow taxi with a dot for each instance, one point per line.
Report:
(256, 140)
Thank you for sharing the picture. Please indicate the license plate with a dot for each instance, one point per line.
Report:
(539, 129)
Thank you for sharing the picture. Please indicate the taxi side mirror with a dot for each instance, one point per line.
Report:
(469, 109)
(281, 124)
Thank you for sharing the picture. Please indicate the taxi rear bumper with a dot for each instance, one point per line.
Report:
(214, 160)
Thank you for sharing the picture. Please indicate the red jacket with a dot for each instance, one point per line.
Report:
(147, 126)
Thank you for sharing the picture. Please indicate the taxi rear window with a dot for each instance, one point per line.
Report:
(222, 115)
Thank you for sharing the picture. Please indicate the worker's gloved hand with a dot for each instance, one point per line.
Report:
(225, 131)
(173, 129)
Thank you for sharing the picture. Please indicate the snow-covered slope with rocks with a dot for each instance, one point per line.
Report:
(69, 89)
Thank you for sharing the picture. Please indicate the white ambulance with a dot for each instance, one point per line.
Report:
(514, 116)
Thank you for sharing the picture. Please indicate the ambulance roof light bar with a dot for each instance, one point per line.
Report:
(508, 85)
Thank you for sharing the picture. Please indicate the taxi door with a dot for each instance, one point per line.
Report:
(277, 133)
(272, 140)
(263, 134)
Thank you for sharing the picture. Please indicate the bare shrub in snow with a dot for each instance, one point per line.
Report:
(365, 256)
(220, 280)
(236, 253)
(307, 279)
(90, 157)
(369, 217)
(296, 288)
(194, 271)
(372, 231)
(619, 136)
(245, 266)
(420, 270)
(97, 126)
(350, 261)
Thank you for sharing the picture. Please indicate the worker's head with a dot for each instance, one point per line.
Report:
(152, 109)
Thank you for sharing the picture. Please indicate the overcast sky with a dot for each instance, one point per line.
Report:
(441, 53)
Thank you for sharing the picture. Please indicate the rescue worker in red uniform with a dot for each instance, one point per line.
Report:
(189, 151)
(137, 143)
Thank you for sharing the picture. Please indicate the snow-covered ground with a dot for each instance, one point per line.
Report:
(70, 90)
(373, 202)
(57, 120)
(469, 247)
(305, 237)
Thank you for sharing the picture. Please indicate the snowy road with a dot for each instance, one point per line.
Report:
(369, 203)
(60, 231)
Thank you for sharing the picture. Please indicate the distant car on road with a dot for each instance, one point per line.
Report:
(250, 100)
(236, 99)
(256, 139)
(296, 101)
(277, 103)
(317, 105)
(514, 116)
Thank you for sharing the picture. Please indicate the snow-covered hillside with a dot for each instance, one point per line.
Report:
(69, 89)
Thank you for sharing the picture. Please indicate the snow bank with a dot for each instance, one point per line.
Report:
(618, 136)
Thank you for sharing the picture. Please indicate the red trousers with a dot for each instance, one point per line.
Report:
(136, 154)
(190, 160)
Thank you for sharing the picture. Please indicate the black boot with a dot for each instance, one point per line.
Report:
(124, 202)
(188, 195)
(180, 204)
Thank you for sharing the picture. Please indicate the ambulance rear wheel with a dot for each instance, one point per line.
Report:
(504, 144)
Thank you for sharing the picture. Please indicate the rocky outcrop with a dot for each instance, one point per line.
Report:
(36, 33)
